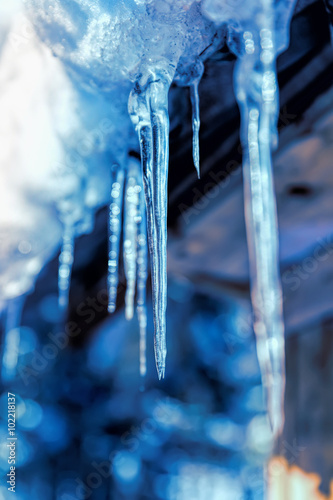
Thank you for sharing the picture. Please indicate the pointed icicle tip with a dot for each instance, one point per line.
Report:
(161, 372)
(160, 361)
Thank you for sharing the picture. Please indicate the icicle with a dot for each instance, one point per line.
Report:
(11, 341)
(148, 107)
(196, 116)
(257, 93)
(135, 253)
(66, 260)
(142, 264)
(115, 218)
(266, 288)
(131, 213)
(158, 97)
(195, 125)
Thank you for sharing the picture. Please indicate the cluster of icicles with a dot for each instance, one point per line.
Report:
(138, 205)
(257, 94)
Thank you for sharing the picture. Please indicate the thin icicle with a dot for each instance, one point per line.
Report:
(66, 260)
(257, 93)
(131, 214)
(11, 343)
(115, 221)
(148, 107)
(158, 97)
(195, 123)
(142, 264)
(135, 253)
(266, 288)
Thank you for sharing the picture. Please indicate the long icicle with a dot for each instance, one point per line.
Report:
(142, 265)
(66, 260)
(258, 103)
(115, 220)
(329, 9)
(148, 108)
(158, 99)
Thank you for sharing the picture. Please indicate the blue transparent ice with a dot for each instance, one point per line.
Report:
(134, 50)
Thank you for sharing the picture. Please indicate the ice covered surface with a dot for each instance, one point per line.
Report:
(108, 42)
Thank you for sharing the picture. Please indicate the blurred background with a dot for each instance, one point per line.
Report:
(87, 425)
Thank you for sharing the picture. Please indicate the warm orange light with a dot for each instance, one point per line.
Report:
(292, 483)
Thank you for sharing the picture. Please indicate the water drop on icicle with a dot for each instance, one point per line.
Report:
(66, 260)
(115, 220)
(256, 90)
(148, 108)
(11, 342)
(158, 97)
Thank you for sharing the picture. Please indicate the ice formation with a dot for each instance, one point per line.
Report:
(195, 124)
(148, 108)
(66, 259)
(256, 39)
(127, 198)
(132, 50)
(72, 215)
